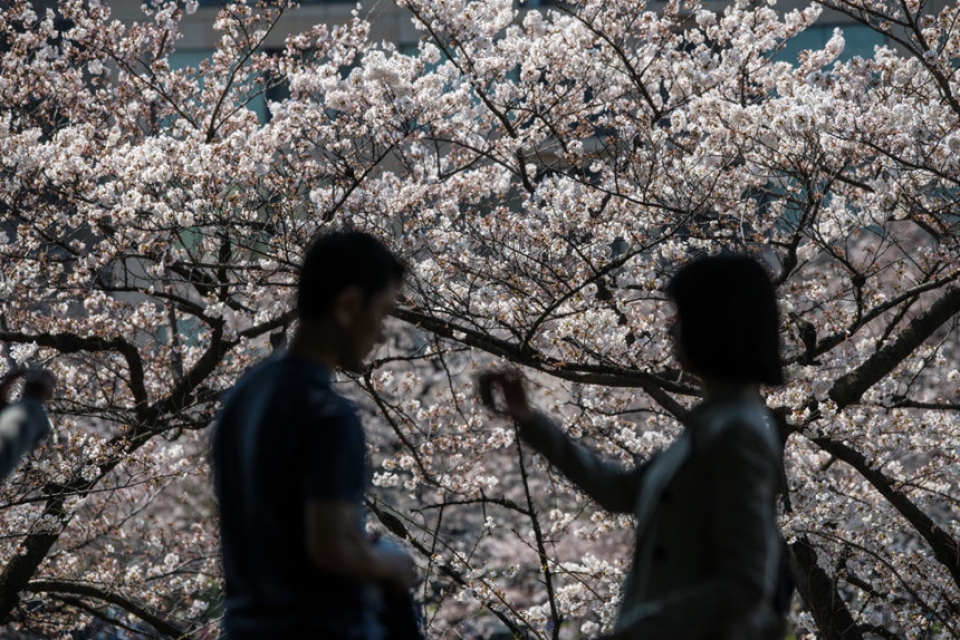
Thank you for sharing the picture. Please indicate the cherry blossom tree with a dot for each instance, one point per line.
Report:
(543, 172)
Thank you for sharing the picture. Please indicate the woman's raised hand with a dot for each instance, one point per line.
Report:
(502, 391)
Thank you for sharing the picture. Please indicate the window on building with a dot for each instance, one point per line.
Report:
(258, 104)
(219, 3)
(860, 41)
(523, 3)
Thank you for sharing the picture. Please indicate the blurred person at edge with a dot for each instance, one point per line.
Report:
(707, 557)
(23, 424)
(290, 468)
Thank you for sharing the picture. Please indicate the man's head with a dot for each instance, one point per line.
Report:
(727, 320)
(348, 284)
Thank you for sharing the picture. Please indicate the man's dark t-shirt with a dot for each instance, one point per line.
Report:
(284, 438)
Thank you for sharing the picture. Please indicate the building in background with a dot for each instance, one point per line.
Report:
(392, 23)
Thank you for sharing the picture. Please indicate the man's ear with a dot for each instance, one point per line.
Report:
(348, 305)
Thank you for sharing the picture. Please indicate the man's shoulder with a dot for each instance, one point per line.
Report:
(296, 388)
(280, 375)
(308, 391)
(324, 403)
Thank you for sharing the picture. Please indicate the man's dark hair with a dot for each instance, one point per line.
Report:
(729, 325)
(340, 259)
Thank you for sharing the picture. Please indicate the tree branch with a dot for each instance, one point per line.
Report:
(35, 547)
(819, 591)
(849, 388)
(945, 548)
(91, 591)
(72, 343)
(608, 375)
(555, 616)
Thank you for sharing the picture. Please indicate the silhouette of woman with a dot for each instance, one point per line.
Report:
(707, 550)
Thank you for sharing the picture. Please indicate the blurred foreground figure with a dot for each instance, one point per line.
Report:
(290, 465)
(707, 559)
(24, 424)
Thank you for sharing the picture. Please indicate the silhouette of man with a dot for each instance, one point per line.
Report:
(290, 465)
(23, 424)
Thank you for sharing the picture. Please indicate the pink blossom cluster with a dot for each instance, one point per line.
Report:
(543, 171)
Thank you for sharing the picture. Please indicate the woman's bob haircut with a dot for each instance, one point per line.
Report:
(728, 320)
